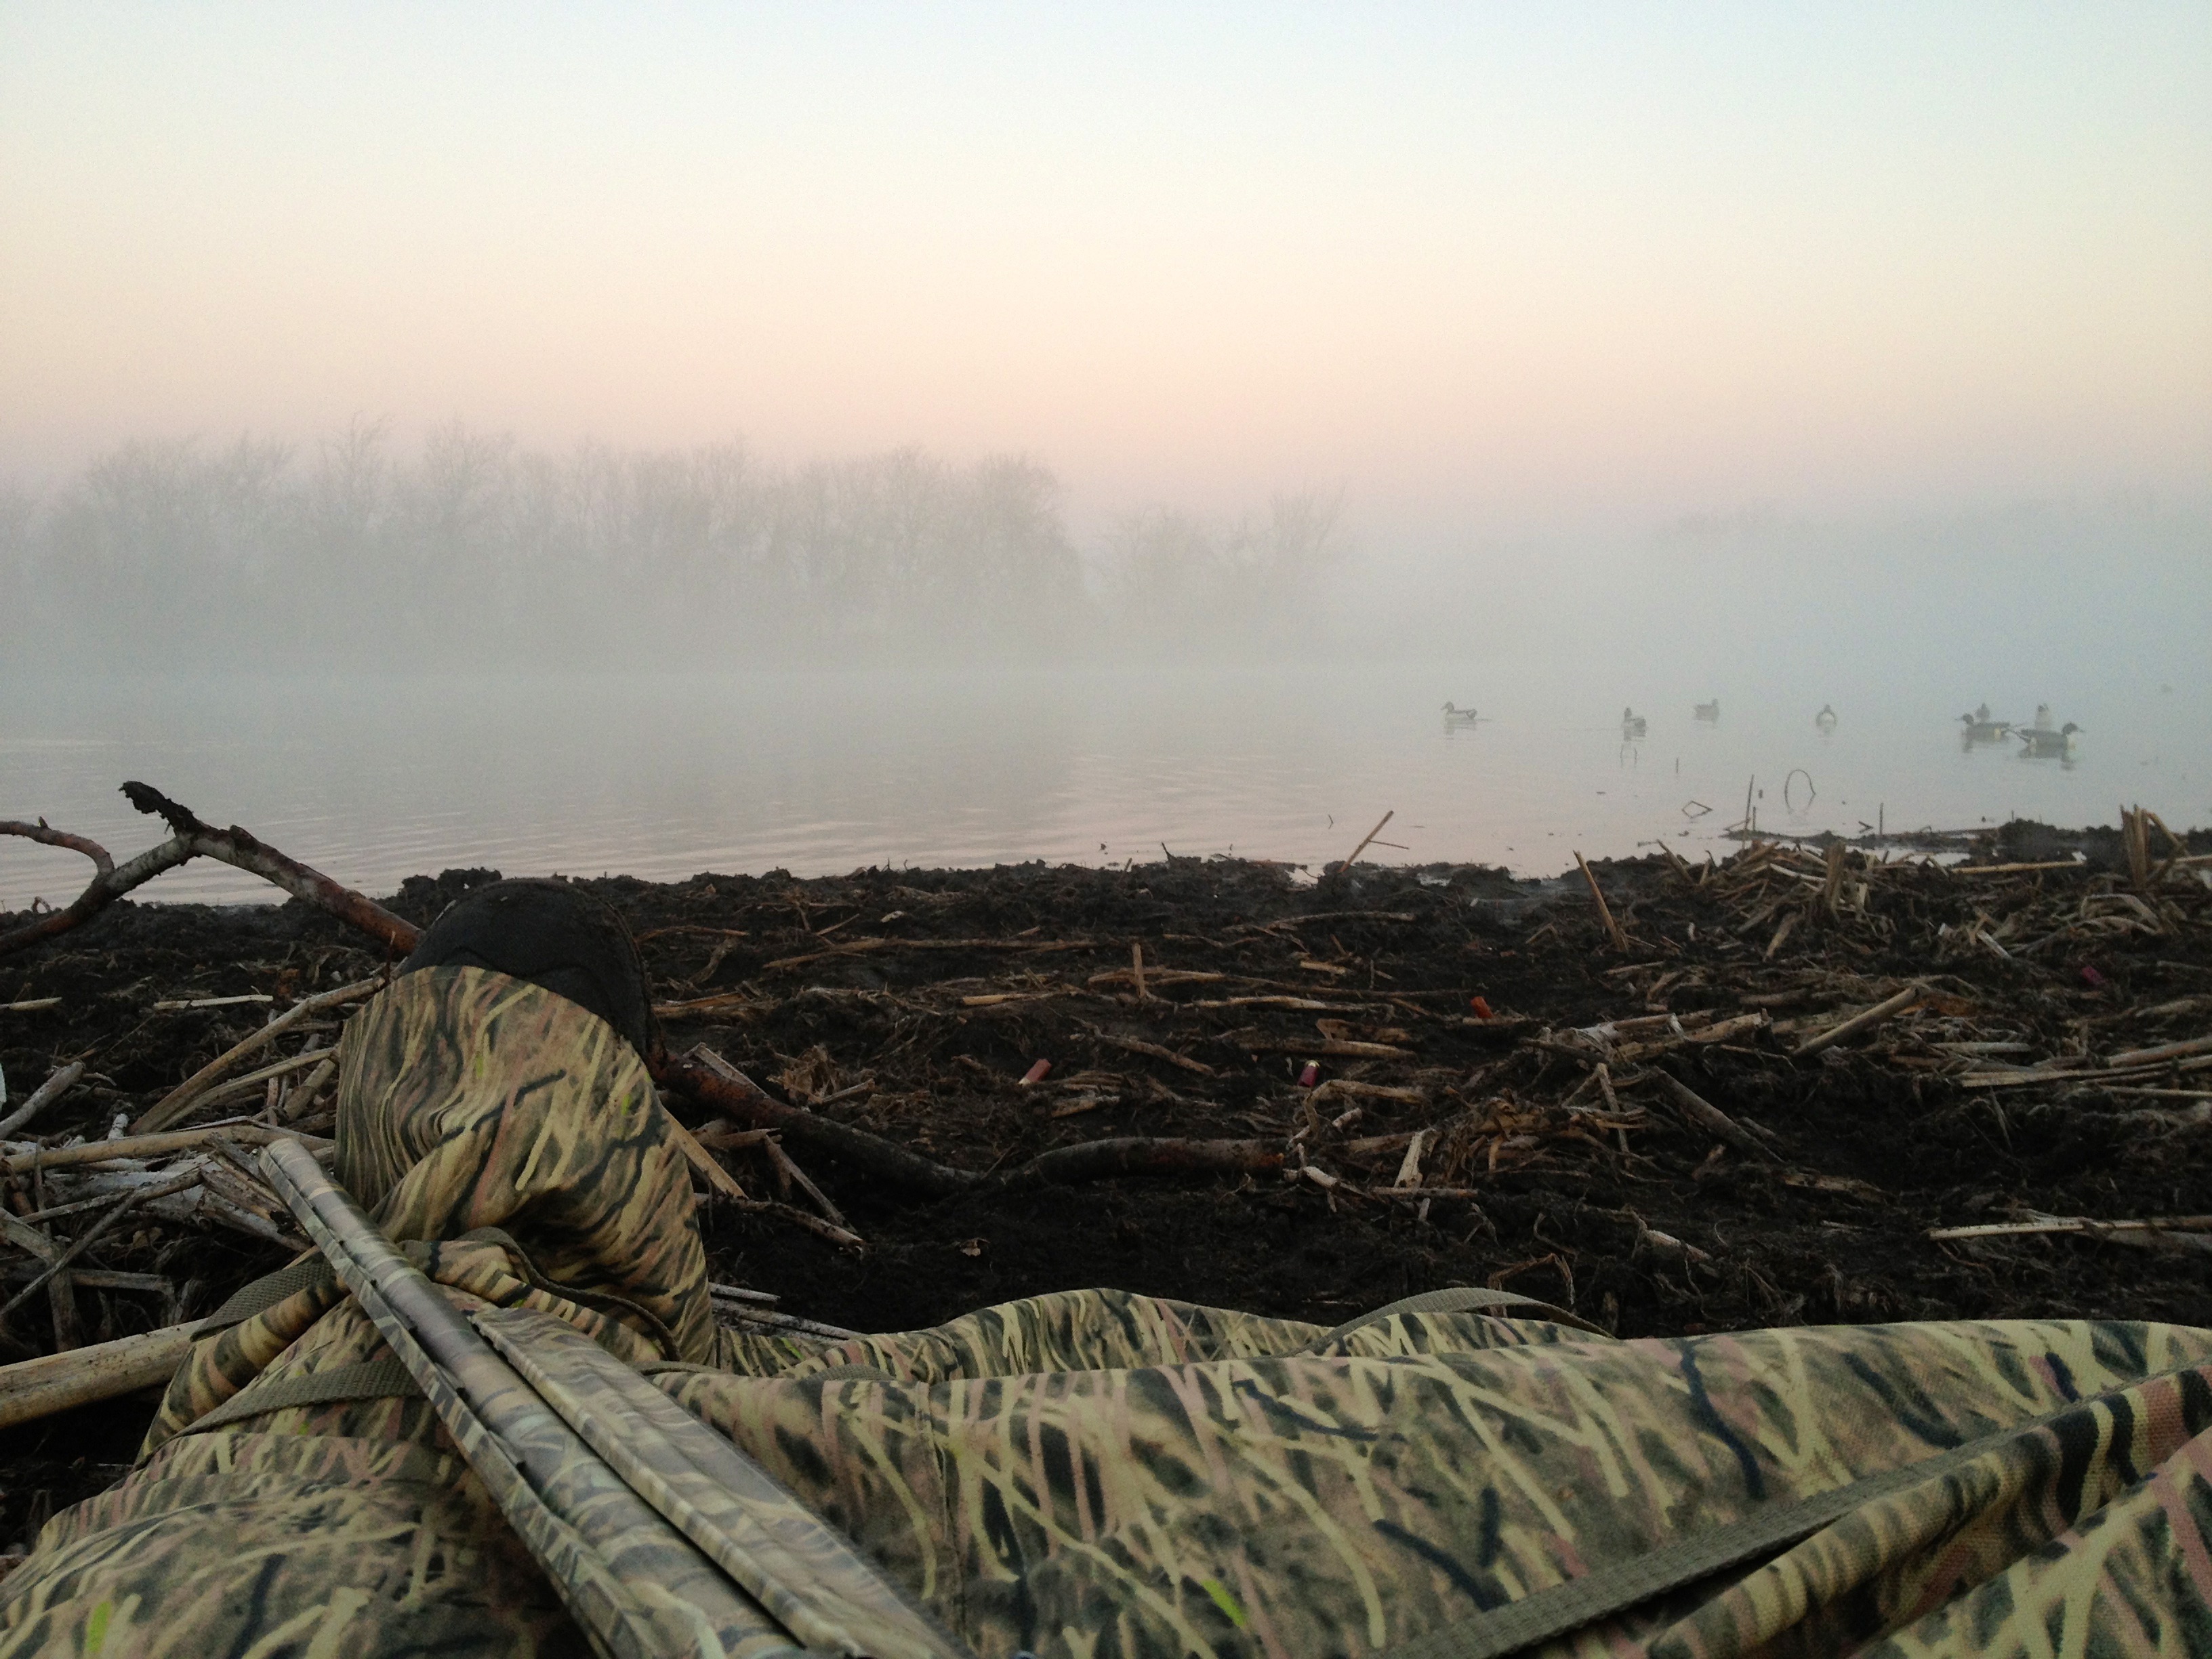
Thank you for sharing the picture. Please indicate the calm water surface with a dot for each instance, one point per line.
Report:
(666, 776)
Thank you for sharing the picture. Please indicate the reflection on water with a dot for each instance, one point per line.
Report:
(667, 775)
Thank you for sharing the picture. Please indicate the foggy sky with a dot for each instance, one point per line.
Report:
(1515, 267)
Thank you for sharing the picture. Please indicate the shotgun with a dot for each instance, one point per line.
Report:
(660, 1536)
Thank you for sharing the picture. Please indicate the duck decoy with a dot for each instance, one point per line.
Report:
(1454, 714)
(1707, 711)
(1632, 725)
(1980, 728)
(2043, 743)
(1826, 719)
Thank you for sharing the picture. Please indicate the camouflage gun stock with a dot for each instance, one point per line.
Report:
(661, 1538)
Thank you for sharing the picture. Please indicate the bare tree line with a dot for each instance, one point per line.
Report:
(475, 552)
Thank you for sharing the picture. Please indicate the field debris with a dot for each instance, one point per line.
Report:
(1799, 1084)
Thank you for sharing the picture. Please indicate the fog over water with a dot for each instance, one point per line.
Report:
(1283, 742)
(577, 438)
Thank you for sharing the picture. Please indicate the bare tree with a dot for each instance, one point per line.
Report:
(472, 549)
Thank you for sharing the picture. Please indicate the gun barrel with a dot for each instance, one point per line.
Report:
(591, 1534)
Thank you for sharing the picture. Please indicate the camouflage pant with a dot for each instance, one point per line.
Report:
(1095, 1473)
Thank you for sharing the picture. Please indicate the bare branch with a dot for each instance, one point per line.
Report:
(706, 1078)
(701, 1076)
(192, 839)
(42, 832)
(108, 884)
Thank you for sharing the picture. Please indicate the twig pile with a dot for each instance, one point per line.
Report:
(1401, 1046)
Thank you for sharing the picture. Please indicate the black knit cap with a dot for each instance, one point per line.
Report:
(551, 934)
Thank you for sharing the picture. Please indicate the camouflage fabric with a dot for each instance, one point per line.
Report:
(787, 1581)
(286, 1544)
(218, 1367)
(1072, 1331)
(1110, 1476)
(353, 1521)
(297, 1341)
(467, 1099)
(1432, 1468)
(2085, 1533)
(468, 1102)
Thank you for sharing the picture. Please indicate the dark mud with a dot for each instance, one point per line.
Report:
(911, 1002)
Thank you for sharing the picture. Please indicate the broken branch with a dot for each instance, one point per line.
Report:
(1911, 995)
(62, 1381)
(94, 1234)
(190, 839)
(1711, 1119)
(180, 1099)
(2075, 1223)
(1605, 914)
(145, 1146)
(41, 1098)
(1370, 836)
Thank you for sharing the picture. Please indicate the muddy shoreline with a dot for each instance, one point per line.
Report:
(1457, 1004)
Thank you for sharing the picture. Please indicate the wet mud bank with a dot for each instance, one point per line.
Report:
(1729, 1095)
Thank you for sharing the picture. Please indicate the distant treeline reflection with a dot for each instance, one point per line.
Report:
(474, 551)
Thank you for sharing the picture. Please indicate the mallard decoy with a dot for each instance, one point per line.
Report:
(1826, 719)
(2043, 743)
(1980, 728)
(1707, 711)
(1463, 716)
(1632, 725)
